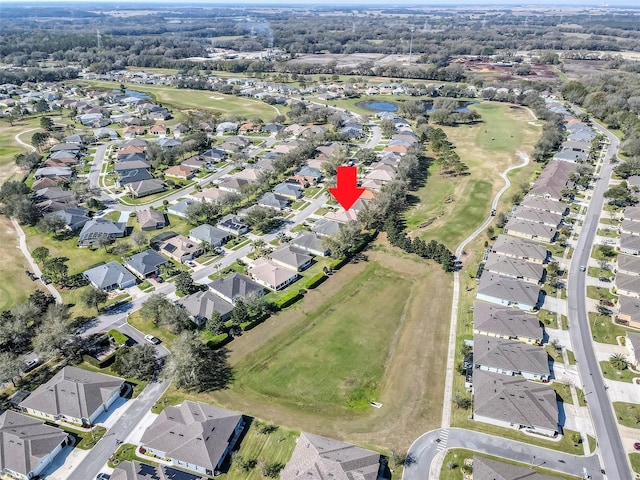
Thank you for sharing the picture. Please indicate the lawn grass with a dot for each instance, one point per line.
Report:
(126, 452)
(604, 330)
(548, 318)
(563, 391)
(147, 326)
(457, 205)
(605, 232)
(572, 357)
(84, 440)
(635, 462)
(600, 293)
(15, 286)
(182, 98)
(334, 361)
(599, 272)
(457, 457)
(9, 147)
(611, 373)
(627, 414)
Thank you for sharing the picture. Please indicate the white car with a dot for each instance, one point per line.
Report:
(151, 339)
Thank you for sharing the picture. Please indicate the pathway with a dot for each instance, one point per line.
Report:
(448, 388)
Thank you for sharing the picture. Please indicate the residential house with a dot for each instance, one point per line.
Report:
(510, 357)
(180, 248)
(522, 249)
(633, 347)
(145, 187)
(210, 195)
(74, 218)
(151, 219)
(311, 243)
(28, 445)
(194, 435)
(169, 142)
(514, 402)
(630, 244)
(109, 276)
(212, 235)
(109, 133)
(195, 162)
(272, 275)
(342, 216)
(539, 203)
(233, 224)
(181, 171)
(291, 257)
(159, 129)
(508, 291)
(134, 175)
(202, 304)
(507, 323)
(629, 265)
(180, 209)
(288, 190)
(235, 286)
(272, 200)
(311, 172)
(74, 395)
(233, 185)
(628, 285)
(214, 155)
(98, 228)
(535, 215)
(145, 264)
(126, 165)
(55, 194)
(514, 268)
(629, 311)
(553, 180)
(320, 458)
(135, 470)
(530, 230)
(51, 172)
(227, 127)
(630, 227)
(325, 227)
(489, 469)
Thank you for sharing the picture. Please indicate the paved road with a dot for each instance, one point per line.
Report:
(448, 388)
(425, 448)
(100, 453)
(614, 458)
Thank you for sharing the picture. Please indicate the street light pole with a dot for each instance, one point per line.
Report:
(532, 460)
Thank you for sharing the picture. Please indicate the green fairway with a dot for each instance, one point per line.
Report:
(15, 286)
(228, 105)
(336, 358)
(454, 207)
(9, 147)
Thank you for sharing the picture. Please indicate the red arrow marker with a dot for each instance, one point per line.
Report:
(347, 191)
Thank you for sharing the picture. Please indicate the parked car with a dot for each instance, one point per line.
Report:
(582, 268)
(152, 339)
(192, 264)
(606, 303)
(604, 279)
(45, 280)
(30, 365)
(103, 476)
(636, 446)
(493, 212)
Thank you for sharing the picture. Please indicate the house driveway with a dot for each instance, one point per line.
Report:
(64, 463)
(555, 304)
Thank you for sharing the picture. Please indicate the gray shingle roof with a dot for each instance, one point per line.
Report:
(514, 267)
(514, 400)
(530, 229)
(537, 216)
(505, 321)
(321, 458)
(520, 248)
(544, 204)
(488, 469)
(100, 226)
(193, 432)
(145, 262)
(207, 233)
(201, 305)
(309, 242)
(509, 289)
(290, 256)
(109, 274)
(235, 286)
(73, 392)
(629, 263)
(628, 283)
(135, 470)
(510, 355)
(326, 227)
(25, 441)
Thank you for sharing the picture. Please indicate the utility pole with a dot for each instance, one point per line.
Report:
(411, 45)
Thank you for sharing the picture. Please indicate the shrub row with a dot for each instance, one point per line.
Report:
(118, 337)
(314, 281)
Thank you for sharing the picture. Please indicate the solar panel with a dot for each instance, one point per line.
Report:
(173, 474)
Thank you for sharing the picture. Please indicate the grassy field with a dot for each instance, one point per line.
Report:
(604, 330)
(628, 414)
(181, 99)
(458, 205)
(611, 373)
(15, 286)
(360, 332)
(9, 147)
(457, 457)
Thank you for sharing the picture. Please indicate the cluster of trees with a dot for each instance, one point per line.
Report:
(447, 111)
(550, 139)
(138, 361)
(621, 195)
(164, 313)
(16, 201)
(447, 159)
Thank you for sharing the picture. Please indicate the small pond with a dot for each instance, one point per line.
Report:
(134, 93)
(378, 106)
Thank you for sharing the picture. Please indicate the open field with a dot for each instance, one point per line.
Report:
(458, 456)
(628, 414)
(181, 99)
(411, 340)
(15, 286)
(458, 205)
(9, 147)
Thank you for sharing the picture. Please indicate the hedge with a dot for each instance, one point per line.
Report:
(314, 281)
(118, 337)
(215, 341)
(338, 264)
(100, 364)
(288, 299)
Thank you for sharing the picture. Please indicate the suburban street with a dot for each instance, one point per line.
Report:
(424, 450)
(614, 458)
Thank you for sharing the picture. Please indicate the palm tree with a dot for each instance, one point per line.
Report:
(258, 247)
(618, 361)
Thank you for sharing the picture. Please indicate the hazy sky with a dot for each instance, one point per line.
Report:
(307, 3)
